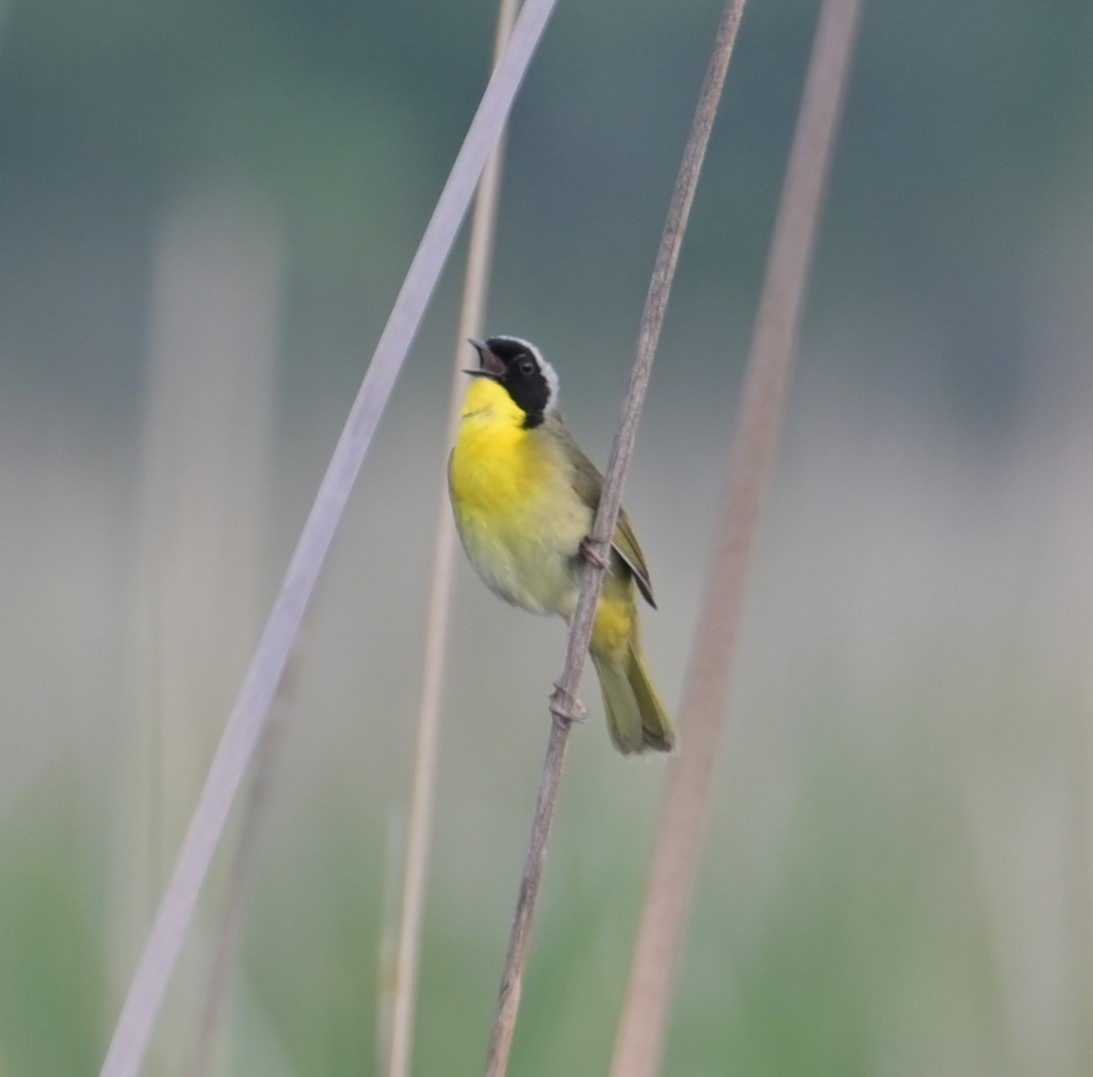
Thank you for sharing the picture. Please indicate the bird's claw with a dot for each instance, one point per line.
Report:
(590, 550)
(566, 707)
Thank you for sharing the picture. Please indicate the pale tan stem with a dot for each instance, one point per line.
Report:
(403, 985)
(250, 712)
(640, 1043)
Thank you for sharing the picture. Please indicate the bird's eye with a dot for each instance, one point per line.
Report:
(527, 366)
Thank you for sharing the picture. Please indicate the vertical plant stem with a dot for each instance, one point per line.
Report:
(564, 697)
(419, 830)
(512, 980)
(248, 718)
(640, 1042)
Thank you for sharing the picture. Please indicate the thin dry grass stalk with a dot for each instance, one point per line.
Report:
(394, 867)
(640, 1042)
(563, 699)
(248, 718)
(398, 976)
(419, 832)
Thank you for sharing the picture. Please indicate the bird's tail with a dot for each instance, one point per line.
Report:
(636, 718)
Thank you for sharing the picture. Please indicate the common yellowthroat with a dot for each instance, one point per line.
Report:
(524, 497)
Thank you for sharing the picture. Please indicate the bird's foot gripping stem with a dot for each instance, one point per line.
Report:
(566, 707)
(594, 551)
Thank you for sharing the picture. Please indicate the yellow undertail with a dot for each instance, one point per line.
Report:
(636, 718)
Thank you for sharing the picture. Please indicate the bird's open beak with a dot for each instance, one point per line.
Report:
(489, 365)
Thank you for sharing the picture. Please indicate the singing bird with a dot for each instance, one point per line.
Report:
(524, 498)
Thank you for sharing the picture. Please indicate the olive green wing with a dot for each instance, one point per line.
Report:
(588, 484)
(626, 545)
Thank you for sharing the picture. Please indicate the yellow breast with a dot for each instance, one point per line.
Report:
(515, 507)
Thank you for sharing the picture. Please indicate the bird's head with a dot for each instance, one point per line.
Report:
(520, 369)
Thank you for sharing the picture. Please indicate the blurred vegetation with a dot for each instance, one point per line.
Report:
(347, 118)
(897, 880)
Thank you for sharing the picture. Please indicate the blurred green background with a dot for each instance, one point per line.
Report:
(206, 210)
